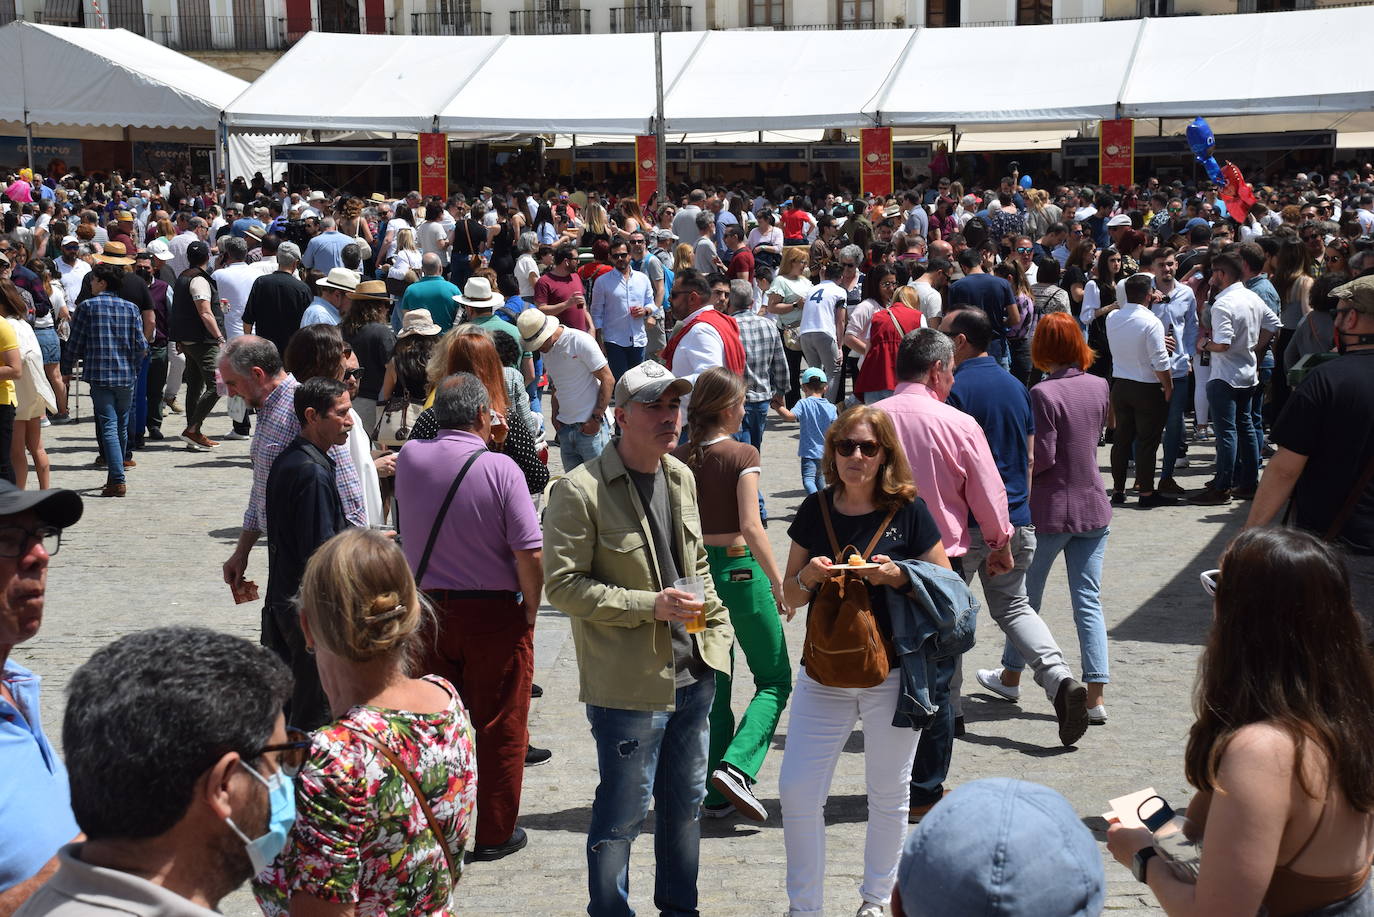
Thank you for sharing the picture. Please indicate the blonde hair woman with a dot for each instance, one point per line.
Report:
(405, 258)
(786, 297)
(386, 802)
(683, 257)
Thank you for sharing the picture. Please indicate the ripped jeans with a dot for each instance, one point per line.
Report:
(649, 756)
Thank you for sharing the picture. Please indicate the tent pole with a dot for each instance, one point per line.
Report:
(28, 140)
(659, 129)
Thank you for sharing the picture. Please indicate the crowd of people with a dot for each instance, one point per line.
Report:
(951, 361)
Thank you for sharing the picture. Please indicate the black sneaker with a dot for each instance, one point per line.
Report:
(1118, 498)
(1071, 709)
(1210, 496)
(536, 691)
(485, 853)
(734, 786)
(1150, 501)
(155, 435)
(536, 756)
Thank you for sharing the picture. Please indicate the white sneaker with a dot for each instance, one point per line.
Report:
(734, 786)
(44, 421)
(1097, 716)
(992, 680)
(1181, 461)
(869, 909)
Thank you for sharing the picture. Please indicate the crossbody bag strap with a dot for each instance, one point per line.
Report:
(878, 535)
(1350, 501)
(439, 519)
(419, 797)
(467, 231)
(829, 527)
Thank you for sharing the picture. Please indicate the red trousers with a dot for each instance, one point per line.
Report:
(485, 648)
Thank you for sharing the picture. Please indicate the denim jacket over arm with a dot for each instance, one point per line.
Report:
(936, 619)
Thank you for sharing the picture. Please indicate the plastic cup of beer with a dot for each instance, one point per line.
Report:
(697, 587)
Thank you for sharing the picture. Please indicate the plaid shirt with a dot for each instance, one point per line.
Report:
(765, 366)
(277, 427)
(107, 333)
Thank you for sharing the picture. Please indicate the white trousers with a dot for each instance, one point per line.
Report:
(1201, 374)
(820, 722)
(176, 367)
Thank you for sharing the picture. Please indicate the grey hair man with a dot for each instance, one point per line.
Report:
(765, 365)
(704, 257)
(325, 250)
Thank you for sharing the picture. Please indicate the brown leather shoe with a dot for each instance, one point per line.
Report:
(130, 463)
(114, 490)
(203, 440)
(916, 813)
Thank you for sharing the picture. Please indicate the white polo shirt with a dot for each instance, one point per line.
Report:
(1238, 317)
(1136, 337)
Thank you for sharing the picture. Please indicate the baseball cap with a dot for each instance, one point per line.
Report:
(70, 240)
(647, 382)
(288, 254)
(1120, 219)
(197, 249)
(157, 248)
(1358, 294)
(663, 234)
(813, 374)
(988, 847)
(61, 508)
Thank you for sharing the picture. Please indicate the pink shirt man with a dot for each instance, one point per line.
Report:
(952, 465)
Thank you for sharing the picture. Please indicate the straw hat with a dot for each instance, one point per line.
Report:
(374, 290)
(418, 321)
(478, 295)
(535, 328)
(114, 253)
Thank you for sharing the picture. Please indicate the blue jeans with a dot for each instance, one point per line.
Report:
(138, 411)
(936, 745)
(1237, 456)
(1173, 426)
(1257, 411)
(751, 432)
(112, 427)
(813, 479)
(622, 359)
(577, 447)
(1000, 351)
(643, 757)
(874, 397)
(1083, 553)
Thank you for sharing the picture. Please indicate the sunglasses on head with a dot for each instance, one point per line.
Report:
(846, 447)
(1210, 579)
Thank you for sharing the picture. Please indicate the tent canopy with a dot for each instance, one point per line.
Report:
(107, 77)
(1147, 68)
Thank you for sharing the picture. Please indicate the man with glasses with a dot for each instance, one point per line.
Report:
(35, 808)
(1072, 236)
(622, 298)
(189, 792)
(559, 291)
(643, 259)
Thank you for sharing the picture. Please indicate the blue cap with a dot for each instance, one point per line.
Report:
(813, 375)
(1195, 221)
(1001, 848)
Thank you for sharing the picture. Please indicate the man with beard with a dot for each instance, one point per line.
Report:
(187, 793)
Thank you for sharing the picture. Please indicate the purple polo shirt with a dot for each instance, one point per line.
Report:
(491, 516)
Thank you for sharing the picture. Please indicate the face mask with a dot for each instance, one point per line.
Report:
(281, 794)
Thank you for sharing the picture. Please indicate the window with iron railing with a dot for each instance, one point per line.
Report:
(851, 14)
(942, 13)
(766, 13)
(1034, 12)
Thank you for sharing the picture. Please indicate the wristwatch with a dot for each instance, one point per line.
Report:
(1140, 862)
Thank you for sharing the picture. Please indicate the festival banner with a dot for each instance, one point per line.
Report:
(875, 160)
(434, 165)
(51, 156)
(646, 167)
(1116, 152)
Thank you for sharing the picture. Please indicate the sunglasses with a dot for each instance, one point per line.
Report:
(621, 255)
(846, 447)
(1210, 578)
(354, 373)
(291, 754)
(1025, 251)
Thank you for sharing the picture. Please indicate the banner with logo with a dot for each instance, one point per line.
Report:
(434, 165)
(51, 156)
(1116, 152)
(646, 167)
(875, 160)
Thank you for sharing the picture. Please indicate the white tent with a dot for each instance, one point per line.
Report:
(57, 75)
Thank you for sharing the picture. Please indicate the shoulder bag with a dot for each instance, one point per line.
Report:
(393, 426)
(474, 256)
(844, 647)
(419, 797)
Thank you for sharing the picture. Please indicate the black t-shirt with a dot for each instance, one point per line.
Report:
(465, 231)
(275, 305)
(911, 533)
(373, 344)
(1330, 419)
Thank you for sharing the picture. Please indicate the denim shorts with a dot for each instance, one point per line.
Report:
(49, 344)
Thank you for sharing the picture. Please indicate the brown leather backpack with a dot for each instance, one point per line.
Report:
(844, 647)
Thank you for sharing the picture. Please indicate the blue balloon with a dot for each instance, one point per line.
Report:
(1200, 138)
(1025, 181)
(1213, 170)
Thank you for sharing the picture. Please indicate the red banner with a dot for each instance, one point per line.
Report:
(434, 165)
(1116, 152)
(875, 161)
(646, 168)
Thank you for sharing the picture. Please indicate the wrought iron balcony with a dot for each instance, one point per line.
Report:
(570, 21)
(652, 17)
(464, 22)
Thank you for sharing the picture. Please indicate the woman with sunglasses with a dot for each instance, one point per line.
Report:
(872, 494)
(1282, 752)
(364, 842)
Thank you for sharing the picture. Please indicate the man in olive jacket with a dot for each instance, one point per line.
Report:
(618, 532)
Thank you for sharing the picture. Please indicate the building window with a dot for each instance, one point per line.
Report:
(1156, 9)
(766, 13)
(854, 13)
(942, 13)
(1034, 12)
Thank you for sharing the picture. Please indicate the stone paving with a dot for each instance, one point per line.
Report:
(154, 558)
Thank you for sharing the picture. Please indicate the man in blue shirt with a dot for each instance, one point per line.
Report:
(1001, 405)
(991, 294)
(35, 806)
(621, 299)
(325, 251)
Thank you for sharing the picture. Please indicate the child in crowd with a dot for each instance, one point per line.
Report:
(815, 414)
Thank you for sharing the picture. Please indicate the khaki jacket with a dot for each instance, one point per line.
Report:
(600, 569)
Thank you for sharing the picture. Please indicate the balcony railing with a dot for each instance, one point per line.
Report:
(455, 23)
(651, 18)
(551, 22)
(250, 33)
(843, 26)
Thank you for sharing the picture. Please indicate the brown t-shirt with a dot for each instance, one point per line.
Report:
(717, 478)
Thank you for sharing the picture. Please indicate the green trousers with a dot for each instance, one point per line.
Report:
(745, 591)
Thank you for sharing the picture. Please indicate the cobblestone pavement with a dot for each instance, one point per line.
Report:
(154, 558)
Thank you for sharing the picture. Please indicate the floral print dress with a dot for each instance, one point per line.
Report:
(360, 837)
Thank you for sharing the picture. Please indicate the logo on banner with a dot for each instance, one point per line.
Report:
(876, 163)
(1116, 152)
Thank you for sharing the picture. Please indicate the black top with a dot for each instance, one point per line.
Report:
(474, 230)
(131, 288)
(184, 322)
(1330, 419)
(275, 305)
(519, 445)
(373, 344)
(911, 533)
(303, 512)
